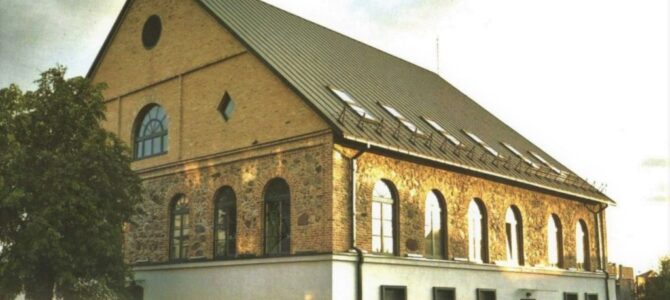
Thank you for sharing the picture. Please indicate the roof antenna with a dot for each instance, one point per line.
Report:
(437, 53)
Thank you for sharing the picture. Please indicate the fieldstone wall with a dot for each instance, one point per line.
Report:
(414, 181)
(306, 169)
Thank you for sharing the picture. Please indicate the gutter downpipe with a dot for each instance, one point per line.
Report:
(601, 241)
(600, 232)
(359, 252)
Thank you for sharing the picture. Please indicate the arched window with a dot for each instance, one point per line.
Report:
(225, 223)
(277, 217)
(582, 246)
(383, 214)
(555, 241)
(514, 235)
(179, 225)
(434, 226)
(477, 232)
(151, 134)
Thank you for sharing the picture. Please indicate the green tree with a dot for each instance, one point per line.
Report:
(658, 288)
(66, 191)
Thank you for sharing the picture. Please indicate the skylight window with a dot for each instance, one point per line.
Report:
(521, 156)
(452, 139)
(482, 143)
(346, 98)
(545, 162)
(409, 125)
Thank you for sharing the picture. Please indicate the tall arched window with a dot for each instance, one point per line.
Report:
(434, 226)
(582, 246)
(514, 235)
(383, 214)
(477, 232)
(555, 241)
(277, 217)
(179, 227)
(225, 223)
(151, 134)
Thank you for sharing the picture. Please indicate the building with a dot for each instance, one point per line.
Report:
(642, 281)
(283, 160)
(625, 283)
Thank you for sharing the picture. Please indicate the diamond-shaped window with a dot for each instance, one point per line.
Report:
(226, 107)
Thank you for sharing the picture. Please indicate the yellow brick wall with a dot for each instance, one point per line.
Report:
(190, 37)
(194, 63)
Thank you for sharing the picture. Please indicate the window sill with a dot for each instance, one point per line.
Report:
(135, 159)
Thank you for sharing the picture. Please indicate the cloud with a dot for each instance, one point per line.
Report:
(37, 35)
(655, 162)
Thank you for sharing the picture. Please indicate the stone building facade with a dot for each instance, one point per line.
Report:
(200, 60)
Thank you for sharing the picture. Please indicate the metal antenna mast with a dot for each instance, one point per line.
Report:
(437, 53)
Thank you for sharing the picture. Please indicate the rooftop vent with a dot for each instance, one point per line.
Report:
(346, 98)
(409, 125)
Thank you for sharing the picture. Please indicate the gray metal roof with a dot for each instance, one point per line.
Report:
(312, 58)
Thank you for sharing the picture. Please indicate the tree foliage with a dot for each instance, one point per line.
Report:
(658, 288)
(66, 189)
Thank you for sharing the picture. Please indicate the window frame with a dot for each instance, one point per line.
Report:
(443, 289)
(484, 234)
(394, 202)
(140, 126)
(284, 226)
(560, 263)
(384, 289)
(514, 238)
(231, 206)
(442, 236)
(586, 246)
(183, 246)
(587, 295)
(479, 291)
(568, 294)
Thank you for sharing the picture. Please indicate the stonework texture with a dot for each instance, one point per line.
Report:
(413, 182)
(304, 166)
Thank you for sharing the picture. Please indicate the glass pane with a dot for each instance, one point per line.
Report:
(376, 210)
(376, 244)
(445, 294)
(381, 190)
(164, 142)
(428, 244)
(388, 245)
(156, 145)
(376, 227)
(387, 211)
(394, 293)
(437, 243)
(147, 148)
(387, 228)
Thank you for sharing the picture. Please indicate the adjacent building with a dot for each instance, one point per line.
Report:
(283, 160)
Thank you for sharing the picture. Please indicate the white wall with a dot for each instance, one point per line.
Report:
(332, 277)
(304, 278)
(420, 276)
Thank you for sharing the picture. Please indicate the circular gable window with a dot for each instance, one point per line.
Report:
(151, 32)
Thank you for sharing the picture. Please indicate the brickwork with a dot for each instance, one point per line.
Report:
(304, 166)
(413, 183)
(190, 37)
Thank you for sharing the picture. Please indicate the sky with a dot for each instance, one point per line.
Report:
(587, 81)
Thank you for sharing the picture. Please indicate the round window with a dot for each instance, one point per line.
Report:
(151, 32)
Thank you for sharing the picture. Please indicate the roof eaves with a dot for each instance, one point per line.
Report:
(605, 200)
